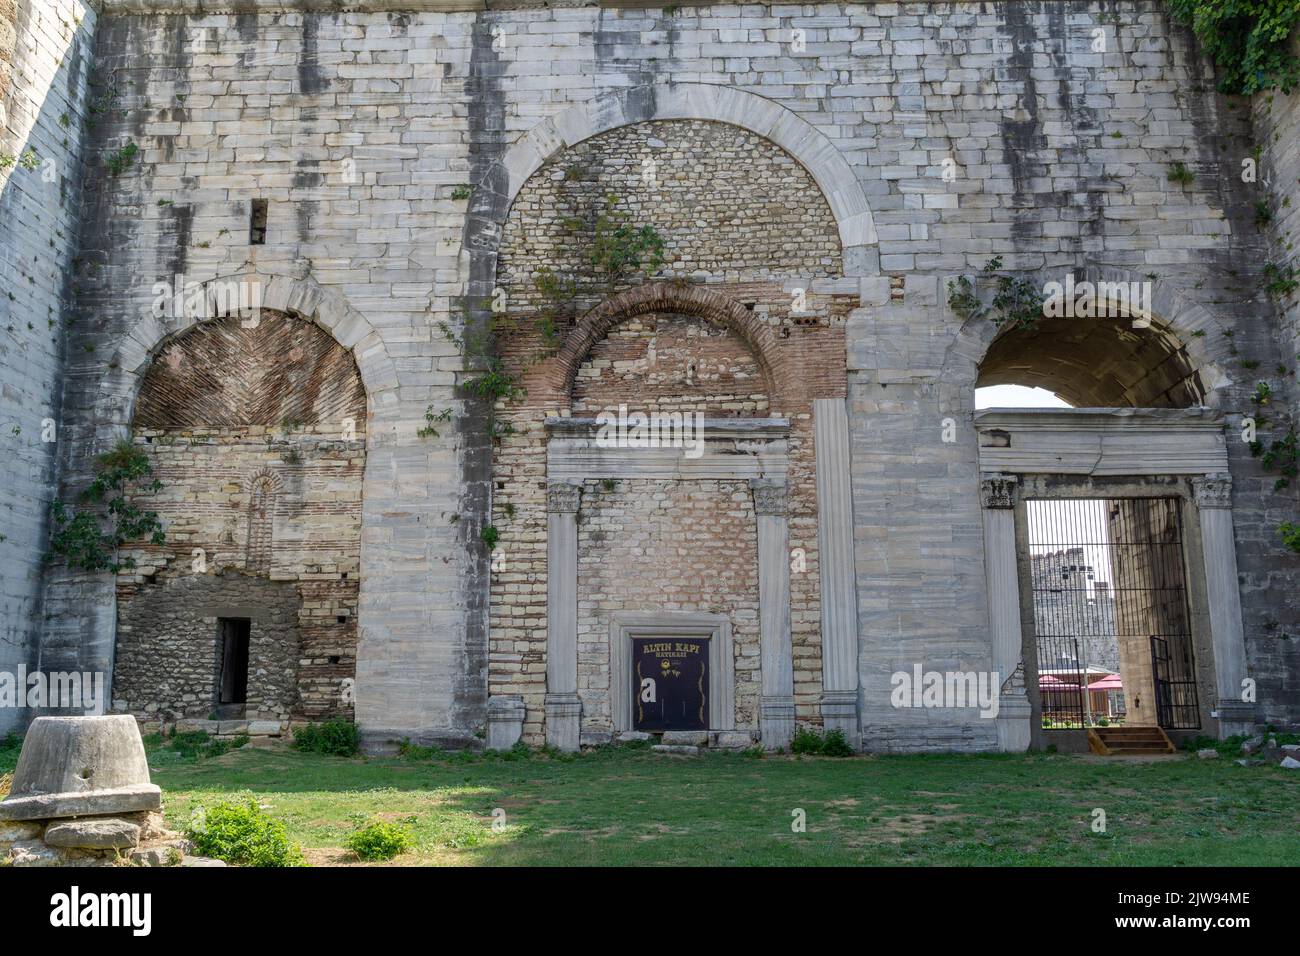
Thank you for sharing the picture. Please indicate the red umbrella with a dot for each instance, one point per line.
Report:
(1109, 682)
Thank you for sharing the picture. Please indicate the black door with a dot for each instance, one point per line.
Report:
(670, 683)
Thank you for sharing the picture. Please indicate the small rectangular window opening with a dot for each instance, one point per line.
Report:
(257, 223)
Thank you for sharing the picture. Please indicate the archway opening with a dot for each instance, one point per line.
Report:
(1096, 363)
(247, 610)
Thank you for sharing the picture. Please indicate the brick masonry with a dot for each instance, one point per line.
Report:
(359, 127)
(257, 436)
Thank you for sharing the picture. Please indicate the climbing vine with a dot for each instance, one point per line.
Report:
(1247, 39)
(616, 248)
(89, 540)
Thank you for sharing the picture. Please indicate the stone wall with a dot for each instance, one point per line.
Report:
(364, 129)
(45, 52)
(257, 436)
(1275, 620)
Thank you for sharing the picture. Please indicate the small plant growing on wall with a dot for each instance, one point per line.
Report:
(89, 540)
(119, 161)
(1179, 173)
(616, 248)
(1016, 299)
(1290, 533)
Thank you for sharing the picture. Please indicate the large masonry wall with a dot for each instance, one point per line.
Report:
(44, 73)
(362, 128)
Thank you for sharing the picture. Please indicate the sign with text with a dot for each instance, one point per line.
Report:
(670, 683)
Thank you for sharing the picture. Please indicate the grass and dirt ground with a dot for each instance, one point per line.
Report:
(628, 806)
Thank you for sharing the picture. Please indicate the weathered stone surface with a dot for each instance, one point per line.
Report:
(80, 766)
(679, 750)
(1290, 763)
(263, 728)
(93, 833)
(690, 738)
(190, 725)
(33, 853)
(13, 832)
(734, 740)
(1208, 753)
(814, 142)
(633, 736)
(201, 861)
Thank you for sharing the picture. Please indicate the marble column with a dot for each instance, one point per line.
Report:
(776, 702)
(1219, 552)
(839, 597)
(998, 498)
(563, 708)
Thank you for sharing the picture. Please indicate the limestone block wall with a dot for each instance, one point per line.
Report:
(1274, 648)
(45, 53)
(365, 129)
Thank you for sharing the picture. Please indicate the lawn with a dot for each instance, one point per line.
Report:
(627, 806)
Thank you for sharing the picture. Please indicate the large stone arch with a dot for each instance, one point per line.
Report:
(496, 189)
(1195, 330)
(303, 298)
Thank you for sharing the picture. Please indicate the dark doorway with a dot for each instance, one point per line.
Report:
(670, 681)
(232, 683)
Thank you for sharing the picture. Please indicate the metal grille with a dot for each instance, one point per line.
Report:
(1111, 618)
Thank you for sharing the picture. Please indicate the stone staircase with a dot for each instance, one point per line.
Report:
(1129, 741)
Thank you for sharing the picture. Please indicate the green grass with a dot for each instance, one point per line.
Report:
(630, 807)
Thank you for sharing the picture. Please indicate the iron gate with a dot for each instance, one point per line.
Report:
(1111, 620)
(1175, 678)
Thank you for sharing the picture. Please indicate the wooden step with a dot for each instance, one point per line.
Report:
(1128, 741)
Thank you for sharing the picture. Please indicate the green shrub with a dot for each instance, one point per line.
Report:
(243, 834)
(835, 744)
(337, 738)
(809, 741)
(191, 743)
(378, 840)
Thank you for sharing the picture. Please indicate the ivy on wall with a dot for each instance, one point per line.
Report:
(1247, 39)
(89, 540)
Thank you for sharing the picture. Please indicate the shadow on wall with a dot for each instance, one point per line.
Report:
(45, 50)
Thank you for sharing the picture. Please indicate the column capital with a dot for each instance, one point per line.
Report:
(563, 497)
(769, 497)
(998, 491)
(1213, 491)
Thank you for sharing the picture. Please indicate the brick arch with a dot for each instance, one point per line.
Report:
(672, 297)
(301, 298)
(497, 188)
(1176, 327)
